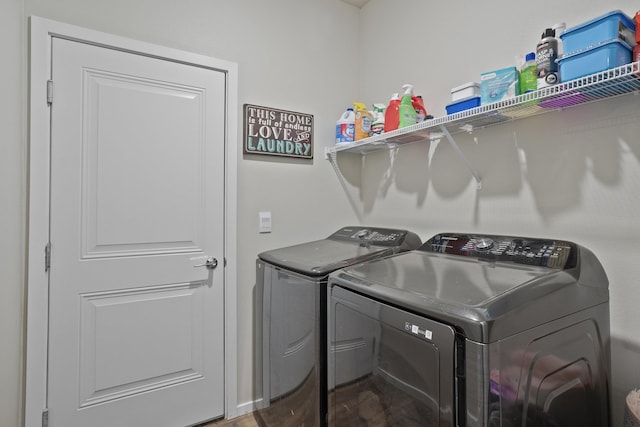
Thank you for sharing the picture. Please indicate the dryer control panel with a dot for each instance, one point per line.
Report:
(549, 253)
(378, 236)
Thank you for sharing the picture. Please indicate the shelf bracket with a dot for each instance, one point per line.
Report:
(333, 159)
(453, 143)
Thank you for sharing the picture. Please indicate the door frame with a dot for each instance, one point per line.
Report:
(37, 296)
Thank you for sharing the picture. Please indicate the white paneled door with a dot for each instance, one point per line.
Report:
(137, 208)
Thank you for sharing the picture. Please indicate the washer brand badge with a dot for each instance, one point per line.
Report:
(415, 329)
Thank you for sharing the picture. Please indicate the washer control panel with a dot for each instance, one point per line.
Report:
(377, 236)
(521, 250)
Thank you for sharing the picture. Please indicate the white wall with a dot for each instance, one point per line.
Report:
(573, 174)
(12, 210)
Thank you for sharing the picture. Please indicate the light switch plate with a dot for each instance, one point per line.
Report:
(265, 222)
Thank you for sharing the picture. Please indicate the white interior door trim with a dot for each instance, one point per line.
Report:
(41, 33)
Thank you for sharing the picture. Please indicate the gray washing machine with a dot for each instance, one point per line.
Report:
(471, 330)
(291, 316)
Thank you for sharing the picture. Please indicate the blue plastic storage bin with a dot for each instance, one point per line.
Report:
(462, 105)
(613, 25)
(607, 55)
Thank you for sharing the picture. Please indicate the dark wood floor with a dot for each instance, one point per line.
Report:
(243, 421)
(296, 409)
(369, 401)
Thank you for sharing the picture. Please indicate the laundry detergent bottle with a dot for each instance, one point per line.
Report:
(529, 74)
(345, 127)
(407, 113)
(418, 105)
(377, 126)
(392, 114)
(362, 122)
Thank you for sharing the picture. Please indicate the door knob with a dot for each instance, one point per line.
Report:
(210, 263)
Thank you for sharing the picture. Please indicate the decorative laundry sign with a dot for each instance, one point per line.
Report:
(277, 132)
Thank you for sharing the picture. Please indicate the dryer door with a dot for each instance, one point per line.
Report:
(387, 365)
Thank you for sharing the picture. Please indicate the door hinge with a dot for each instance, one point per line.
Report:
(49, 92)
(47, 256)
(45, 418)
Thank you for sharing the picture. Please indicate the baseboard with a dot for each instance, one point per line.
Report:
(248, 407)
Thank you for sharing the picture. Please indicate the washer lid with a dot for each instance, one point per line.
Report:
(460, 281)
(345, 247)
(433, 277)
(321, 257)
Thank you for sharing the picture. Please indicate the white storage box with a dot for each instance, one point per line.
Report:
(467, 90)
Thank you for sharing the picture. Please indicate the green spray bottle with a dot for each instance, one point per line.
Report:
(407, 114)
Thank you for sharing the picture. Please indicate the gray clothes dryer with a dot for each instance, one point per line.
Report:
(291, 319)
(472, 330)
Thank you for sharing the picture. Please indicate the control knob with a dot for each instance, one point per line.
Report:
(362, 233)
(484, 244)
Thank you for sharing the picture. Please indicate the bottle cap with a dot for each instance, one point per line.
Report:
(549, 32)
(530, 56)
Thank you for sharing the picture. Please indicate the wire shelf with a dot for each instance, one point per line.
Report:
(606, 84)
